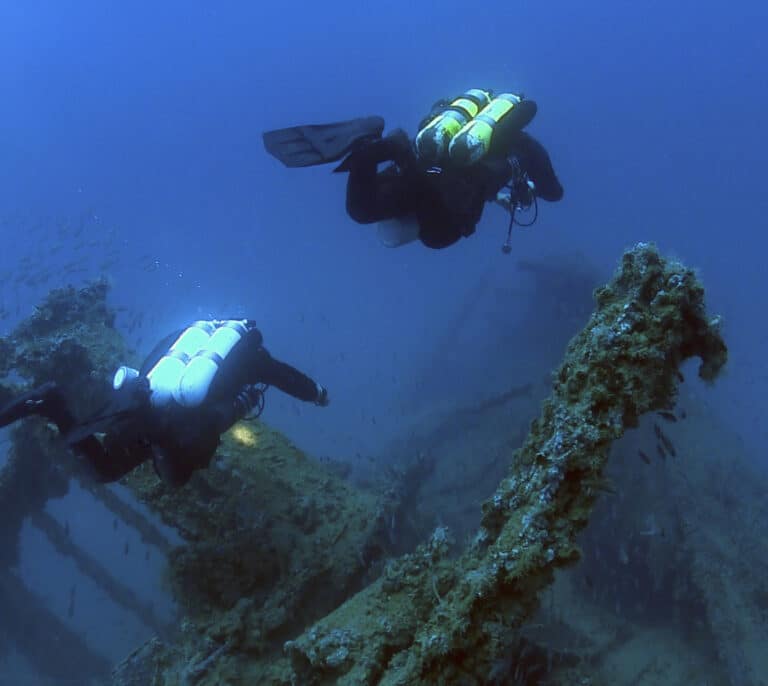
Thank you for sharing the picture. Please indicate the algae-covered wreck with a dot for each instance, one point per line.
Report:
(286, 574)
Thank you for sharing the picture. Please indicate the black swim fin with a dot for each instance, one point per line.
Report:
(306, 146)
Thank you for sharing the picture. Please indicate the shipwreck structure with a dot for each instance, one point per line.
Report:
(286, 573)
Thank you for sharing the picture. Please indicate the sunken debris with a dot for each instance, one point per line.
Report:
(433, 618)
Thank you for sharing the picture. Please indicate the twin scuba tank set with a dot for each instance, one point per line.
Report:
(463, 133)
(185, 372)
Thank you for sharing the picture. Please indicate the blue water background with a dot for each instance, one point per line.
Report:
(130, 144)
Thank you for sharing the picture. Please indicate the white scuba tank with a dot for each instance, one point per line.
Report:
(198, 374)
(184, 374)
(164, 377)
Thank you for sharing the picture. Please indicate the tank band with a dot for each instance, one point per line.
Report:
(486, 119)
(179, 355)
(238, 325)
(217, 359)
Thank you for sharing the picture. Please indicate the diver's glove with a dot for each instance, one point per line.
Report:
(520, 192)
(322, 398)
(525, 191)
(504, 197)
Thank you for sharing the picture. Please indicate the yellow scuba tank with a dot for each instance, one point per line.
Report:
(432, 141)
(473, 140)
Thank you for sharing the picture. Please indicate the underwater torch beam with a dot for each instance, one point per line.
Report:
(430, 619)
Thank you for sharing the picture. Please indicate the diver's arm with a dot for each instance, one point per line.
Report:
(266, 369)
(534, 160)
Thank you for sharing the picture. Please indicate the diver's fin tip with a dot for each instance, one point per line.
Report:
(310, 145)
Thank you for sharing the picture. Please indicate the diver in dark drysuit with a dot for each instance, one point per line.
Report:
(189, 390)
(445, 197)
(447, 202)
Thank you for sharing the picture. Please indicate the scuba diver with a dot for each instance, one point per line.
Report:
(194, 385)
(468, 151)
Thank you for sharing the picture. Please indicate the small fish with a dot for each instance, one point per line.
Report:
(669, 446)
(644, 457)
(114, 524)
(668, 416)
(127, 548)
(605, 486)
(680, 376)
(71, 606)
(623, 555)
(146, 555)
(682, 413)
(660, 450)
(667, 443)
(66, 528)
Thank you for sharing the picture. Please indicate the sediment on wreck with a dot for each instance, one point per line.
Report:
(272, 540)
(431, 619)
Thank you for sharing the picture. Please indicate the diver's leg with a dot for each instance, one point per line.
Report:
(111, 460)
(172, 470)
(394, 147)
(45, 401)
(177, 456)
(438, 237)
(102, 464)
(363, 194)
(374, 196)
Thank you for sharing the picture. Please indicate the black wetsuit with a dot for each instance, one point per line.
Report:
(178, 439)
(446, 201)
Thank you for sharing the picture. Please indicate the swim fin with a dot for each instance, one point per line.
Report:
(313, 144)
(30, 403)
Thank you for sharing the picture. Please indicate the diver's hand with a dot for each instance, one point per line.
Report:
(322, 399)
(520, 194)
(504, 197)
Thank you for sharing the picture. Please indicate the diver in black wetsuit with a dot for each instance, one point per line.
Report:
(447, 202)
(441, 193)
(192, 387)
